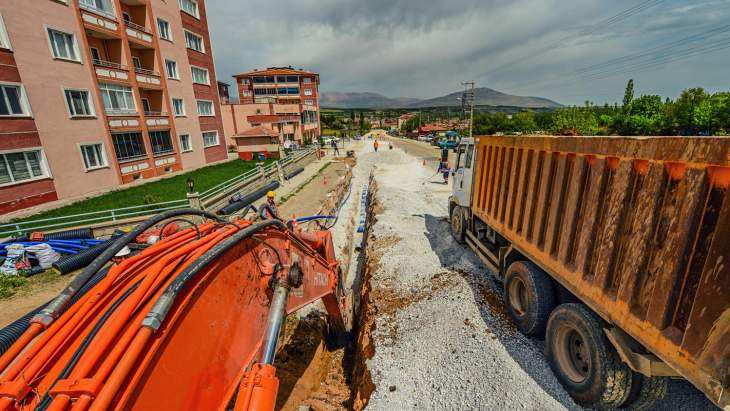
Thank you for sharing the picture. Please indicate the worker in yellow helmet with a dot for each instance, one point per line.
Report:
(269, 208)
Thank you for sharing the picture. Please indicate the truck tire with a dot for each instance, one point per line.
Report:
(583, 359)
(645, 392)
(458, 225)
(530, 297)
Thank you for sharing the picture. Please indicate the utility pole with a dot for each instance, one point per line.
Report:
(467, 103)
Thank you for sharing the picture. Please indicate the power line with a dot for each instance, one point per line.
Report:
(601, 25)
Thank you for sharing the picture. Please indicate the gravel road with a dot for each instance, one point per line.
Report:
(442, 339)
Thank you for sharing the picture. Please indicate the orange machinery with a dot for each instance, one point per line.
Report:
(191, 322)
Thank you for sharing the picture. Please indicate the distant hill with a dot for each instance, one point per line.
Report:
(488, 97)
(484, 97)
(363, 100)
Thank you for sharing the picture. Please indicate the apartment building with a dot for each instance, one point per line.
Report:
(99, 93)
(277, 101)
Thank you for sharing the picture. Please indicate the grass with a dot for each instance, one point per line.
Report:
(9, 284)
(168, 189)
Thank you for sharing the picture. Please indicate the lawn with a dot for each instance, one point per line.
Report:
(169, 189)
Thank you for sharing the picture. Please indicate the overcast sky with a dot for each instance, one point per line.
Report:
(425, 48)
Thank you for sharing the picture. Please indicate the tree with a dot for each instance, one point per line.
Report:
(524, 122)
(629, 94)
(689, 113)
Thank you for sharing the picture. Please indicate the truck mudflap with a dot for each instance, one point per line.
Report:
(637, 228)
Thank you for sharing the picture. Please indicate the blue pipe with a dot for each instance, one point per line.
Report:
(314, 217)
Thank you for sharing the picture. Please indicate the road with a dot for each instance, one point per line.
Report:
(439, 335)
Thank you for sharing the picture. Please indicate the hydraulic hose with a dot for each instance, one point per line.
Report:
(52, 310)
(158, 313)
(14, 330)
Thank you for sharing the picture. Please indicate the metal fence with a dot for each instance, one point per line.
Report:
(208, 198)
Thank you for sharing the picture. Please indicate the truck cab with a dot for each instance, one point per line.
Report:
(463, 173)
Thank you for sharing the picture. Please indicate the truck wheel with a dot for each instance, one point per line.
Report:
(645, 391)
(530, 297)
(583, 360)
(458, 225)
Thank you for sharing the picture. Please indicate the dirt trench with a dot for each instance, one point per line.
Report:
(319, 371)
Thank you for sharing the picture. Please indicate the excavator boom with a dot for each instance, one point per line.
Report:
(191, 322)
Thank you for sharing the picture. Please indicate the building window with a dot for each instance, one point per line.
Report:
(164, 28)
(171, 68)
(210, 138)
(117, 99)
(161, 142)
(200, 75)
(263, 79)
(103, 7)
(128, 146)
(4, 38)
(205, 108)
(95, 56)
(307, 80)
(245, 81)
(63, 45)
(194, 42)
(178, 107)
(13, 101)
(307, 91)
(292, 90)
(247, 93)
(190, 7)
(78, 103)
(93, 155)
(309, 102)
(185, 143)
(21, 166)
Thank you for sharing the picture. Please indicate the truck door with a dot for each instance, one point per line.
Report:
(463, 173)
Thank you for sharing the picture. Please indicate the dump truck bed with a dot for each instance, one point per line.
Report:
(637, 228)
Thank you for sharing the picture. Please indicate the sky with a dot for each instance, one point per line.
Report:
(426, 48)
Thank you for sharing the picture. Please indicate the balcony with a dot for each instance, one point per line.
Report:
(148, 78)
(109, 70)
(138, 34)
(157, 119)
(96, 19)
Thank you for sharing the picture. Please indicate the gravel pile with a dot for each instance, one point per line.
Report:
(442, 338)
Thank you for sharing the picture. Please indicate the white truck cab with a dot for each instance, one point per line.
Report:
(463, 173)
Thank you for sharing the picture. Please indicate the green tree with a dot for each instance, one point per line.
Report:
(689, 114)
(629, 93)
(575, 121)
(524, 122)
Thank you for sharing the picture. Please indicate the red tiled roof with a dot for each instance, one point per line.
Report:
(272, 71)
(259, 131)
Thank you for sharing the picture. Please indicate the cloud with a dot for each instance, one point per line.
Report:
(418, 48)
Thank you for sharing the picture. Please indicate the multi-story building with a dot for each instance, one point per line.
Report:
(276, 101)
(98, 93)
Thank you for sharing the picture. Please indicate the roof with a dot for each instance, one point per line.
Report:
(272, 71)
(259, 131)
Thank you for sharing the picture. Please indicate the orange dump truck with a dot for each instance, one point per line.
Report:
(614, 249)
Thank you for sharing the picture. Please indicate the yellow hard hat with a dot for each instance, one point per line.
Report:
(270, 194)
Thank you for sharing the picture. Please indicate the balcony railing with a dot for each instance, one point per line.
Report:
(146, 72)
(120, 112)
(136, 26)
(105, 13)
(109, 64)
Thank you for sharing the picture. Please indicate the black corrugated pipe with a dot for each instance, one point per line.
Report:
(14, 330)
(157, 314)
(78, 233)
(294, 173)
(75, 261)
(248, 199)
(52, 310)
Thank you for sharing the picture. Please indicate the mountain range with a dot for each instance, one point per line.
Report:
(484, 97)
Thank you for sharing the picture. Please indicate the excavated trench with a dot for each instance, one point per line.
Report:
(320, 371)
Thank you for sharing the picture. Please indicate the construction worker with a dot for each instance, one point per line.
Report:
(335, 150)
(444, 166)
(266, 212)
(375, 145)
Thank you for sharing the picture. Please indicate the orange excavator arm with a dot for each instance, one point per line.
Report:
(191, 322)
